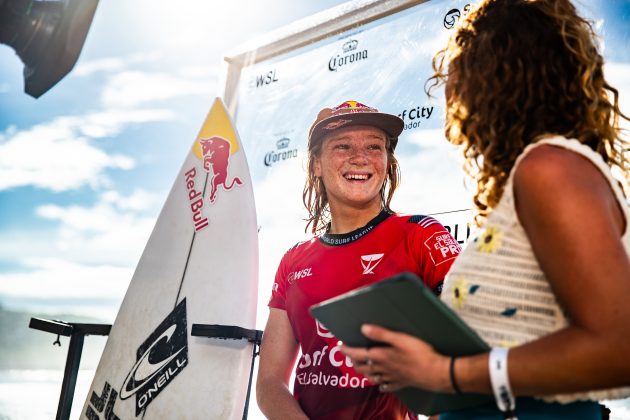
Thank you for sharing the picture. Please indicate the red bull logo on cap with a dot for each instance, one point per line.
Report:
(352, 106)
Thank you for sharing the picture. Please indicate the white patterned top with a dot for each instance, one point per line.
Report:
(497, 286)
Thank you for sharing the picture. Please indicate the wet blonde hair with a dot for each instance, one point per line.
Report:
(516, 70)
(315, 198)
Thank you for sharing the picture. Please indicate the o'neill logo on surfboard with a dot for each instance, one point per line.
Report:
(160, 359)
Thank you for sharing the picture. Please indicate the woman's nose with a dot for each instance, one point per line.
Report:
(358, 155)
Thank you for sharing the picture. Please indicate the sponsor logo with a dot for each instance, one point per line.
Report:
(322, 331)
(300, 274)
(415, 115)
(339, 381)
(453, 15)
(102, 406)
(162, 356)
(442, 247)
(335, 357)
(216, 160)
(328, 357)
(263, 80)
(369, 262)
(196, 200)
(281, 153)
(459, 233)
(349, 54)
(336, 124)
(215, 154)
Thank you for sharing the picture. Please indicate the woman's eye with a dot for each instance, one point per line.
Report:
(342, 146)
(375, 147)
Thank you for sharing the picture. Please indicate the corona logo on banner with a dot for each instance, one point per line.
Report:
(281, 153)
(350, 54)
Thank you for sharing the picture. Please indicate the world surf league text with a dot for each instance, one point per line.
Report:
(196, 200)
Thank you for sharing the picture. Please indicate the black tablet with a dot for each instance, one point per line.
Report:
(402, 303)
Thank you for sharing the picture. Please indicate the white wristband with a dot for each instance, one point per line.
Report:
(499, 379)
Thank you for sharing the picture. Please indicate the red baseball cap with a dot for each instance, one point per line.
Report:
(351, 113)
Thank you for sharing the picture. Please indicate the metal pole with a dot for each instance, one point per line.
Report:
(251, 375)
(70, 376)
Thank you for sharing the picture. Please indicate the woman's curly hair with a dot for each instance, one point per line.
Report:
(315, 198)
(515, 71)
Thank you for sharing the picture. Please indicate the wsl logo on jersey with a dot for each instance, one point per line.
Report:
(350, 54)
(281, 153)
(162, 356)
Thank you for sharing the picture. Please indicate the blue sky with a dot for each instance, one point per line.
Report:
(84, 169)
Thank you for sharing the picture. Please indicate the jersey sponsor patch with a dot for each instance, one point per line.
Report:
(442, 247)
(299, 274)
(369, 262)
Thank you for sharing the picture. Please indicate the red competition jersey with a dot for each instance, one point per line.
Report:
(326, 385)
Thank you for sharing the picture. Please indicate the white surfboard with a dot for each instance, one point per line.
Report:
(200, 266)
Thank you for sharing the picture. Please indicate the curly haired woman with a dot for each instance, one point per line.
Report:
(547, 281)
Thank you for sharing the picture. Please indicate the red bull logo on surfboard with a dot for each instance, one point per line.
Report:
(216, 159)
(215, 153)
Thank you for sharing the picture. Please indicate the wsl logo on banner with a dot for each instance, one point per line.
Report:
(414, 116)
(281, 153)
(350, 54)
(263, 80)
(162, 356)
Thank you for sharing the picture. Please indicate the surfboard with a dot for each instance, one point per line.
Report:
(200, 266)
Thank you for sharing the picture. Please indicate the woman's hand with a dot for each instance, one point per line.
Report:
(405, 361)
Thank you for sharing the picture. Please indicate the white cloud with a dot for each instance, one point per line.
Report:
(114, 64)
(85, 264)
(101, 65)
(59, 156)
(60, 279)
(114, 230)
(131, 88)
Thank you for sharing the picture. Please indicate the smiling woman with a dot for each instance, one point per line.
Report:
(352, 165)
(352, 174)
